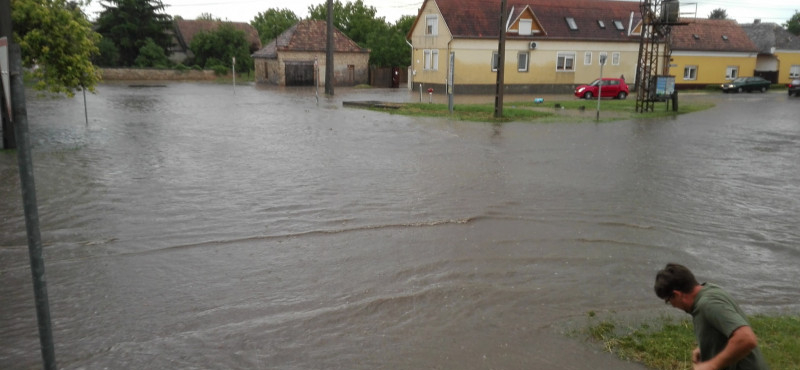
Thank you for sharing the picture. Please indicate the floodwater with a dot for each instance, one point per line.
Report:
(190, 227)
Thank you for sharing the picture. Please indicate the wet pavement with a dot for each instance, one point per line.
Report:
(188, 226)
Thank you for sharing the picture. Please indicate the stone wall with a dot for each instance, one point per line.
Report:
(145, 74)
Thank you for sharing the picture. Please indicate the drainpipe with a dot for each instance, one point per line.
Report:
(410, 74)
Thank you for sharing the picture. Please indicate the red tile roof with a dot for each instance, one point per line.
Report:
(310, 36)
(711, 35)
(480, 18)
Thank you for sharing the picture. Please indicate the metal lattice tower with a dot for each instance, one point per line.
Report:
(658, 16)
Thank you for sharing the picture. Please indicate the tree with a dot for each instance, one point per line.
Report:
(718, 13)
(57, 43)
(129, 23)
(389, 47)
(152, 55)
(217, 48)
(793, 24)
(355, 20)
(272, 23)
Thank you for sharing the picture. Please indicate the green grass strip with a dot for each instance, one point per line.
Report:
(669, 344)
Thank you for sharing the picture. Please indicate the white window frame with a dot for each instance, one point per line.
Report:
(690, 73)
(525, 27)
(731, 72)
(431, 59)
(603, 56)
(494, 64)
(794, 71)
(564, 59)
(615, 58)
(522, 65)
(431, 25)
(571, 23)
(587, 58)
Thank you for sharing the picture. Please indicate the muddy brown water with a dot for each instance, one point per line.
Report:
(188, 227)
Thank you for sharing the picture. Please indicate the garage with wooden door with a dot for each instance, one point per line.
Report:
(299, 73)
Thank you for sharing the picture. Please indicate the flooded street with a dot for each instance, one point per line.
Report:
(188, 227)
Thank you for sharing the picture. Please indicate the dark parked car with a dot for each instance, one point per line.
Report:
(794, 88)
(612, 88)
(748, 84)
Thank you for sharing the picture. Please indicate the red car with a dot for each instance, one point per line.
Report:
(612, 88)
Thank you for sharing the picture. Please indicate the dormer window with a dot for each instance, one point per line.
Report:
(571, 23)
(525, 26)
(619, 25)
(601, 24)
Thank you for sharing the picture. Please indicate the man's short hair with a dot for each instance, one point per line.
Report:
(674, 277)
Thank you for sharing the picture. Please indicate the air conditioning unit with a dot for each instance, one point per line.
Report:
(532, 45)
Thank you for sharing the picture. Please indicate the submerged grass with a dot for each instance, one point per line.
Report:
(668, 344)
(557, 111)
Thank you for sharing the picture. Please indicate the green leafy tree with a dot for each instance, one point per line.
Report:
(152, 55)
(57, 43)
(389, 47)
(718, 13)
(217, 48)
(358, 22)
(793, 24)
(355, 20)
(129, 23)
(272, 23)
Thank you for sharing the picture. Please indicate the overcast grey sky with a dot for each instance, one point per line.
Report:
(743, 11)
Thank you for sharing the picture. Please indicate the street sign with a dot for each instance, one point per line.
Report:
(5, 74)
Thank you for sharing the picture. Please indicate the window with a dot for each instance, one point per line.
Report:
(794, 71)
(619, 25)
(587, 58)
(601, 24)
(571, 23)
(431, 23)
(615, 58)
(565, 62)
(731, 73)
(525, 26)
(431, 60)
(522, 62)
(690, 73)
(603, 59)
(495, 61)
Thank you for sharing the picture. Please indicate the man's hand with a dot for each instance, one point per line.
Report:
(741, 342)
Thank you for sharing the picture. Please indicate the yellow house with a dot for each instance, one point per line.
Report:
(778, 51)
(551, 46)
(710, 52)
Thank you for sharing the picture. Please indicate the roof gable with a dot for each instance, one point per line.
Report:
(309, 36)
(526, 14)
(711, 35)
(188, 29)
(479, 19)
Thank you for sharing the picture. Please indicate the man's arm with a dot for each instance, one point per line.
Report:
(740, 344)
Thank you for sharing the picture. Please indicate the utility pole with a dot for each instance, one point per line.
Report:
(329, 52)
(501, 61)
(19, 119)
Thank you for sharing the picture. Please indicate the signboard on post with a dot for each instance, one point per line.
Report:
(5, 74)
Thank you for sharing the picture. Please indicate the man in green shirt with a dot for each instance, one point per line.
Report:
(725, 339)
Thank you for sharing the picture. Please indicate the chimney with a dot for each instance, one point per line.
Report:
(756, 21)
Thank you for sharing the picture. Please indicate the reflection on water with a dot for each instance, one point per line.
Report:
(186, 226)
